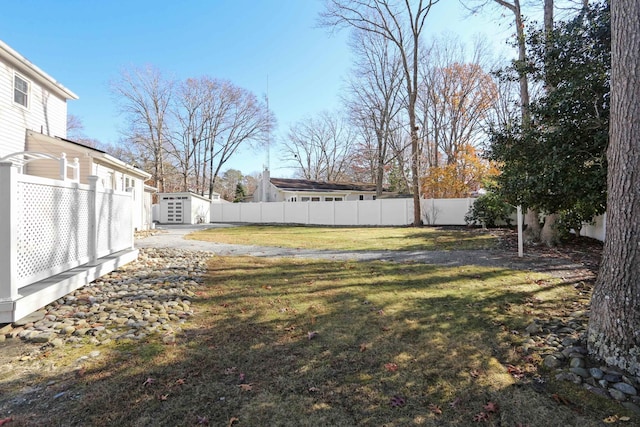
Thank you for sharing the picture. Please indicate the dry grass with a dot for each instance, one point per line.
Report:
(316, 343)
(350, 238)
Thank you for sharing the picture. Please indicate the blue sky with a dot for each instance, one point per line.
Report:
(84, 44)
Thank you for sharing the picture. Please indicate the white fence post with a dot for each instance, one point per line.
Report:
(8, 235)
(93, 219)
(131, 190)
(76, 169)
(63, 167)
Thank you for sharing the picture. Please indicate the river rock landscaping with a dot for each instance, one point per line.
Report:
(149, 296)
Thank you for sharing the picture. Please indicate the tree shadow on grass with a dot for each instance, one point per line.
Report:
(294, 342)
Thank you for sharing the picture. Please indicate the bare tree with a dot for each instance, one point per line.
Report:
(320, 147)
(402, 23)
(244, 120)
(75, 132)
(187, 133)
(144, 95)
(75, 127)
(374, 100)
(455, 100)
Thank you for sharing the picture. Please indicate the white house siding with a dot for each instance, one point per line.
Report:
(47, 111)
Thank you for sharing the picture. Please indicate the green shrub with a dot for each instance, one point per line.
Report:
(489, 210)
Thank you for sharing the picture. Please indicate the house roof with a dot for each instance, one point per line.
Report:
(25, 66)
(308, 185)
(98, 156)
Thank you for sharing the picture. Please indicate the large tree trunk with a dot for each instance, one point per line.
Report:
(532, 220)
(549, 234)
(614, 326)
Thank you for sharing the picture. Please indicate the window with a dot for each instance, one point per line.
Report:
(21, 91)
(337, 199)
(374, 197)
(315, 199)
(304, 199)
(361, 197)
(328, 199)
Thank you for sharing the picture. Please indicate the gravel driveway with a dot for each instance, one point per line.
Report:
(172, 236)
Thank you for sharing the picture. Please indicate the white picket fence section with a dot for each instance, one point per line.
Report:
(381, 212)
(50, 226)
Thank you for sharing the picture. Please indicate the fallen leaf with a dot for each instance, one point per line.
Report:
(312, 335)
(246, 387)
(233, 420)
(625, 418)
(491, 407)
(481, 417)
(398, 402)
(560, 399)
(611, 420)
(242, 376)
(180, 381)
(391, 367)
(313, 389)
(202, 421)
(163, 397)
(435, 409)
(4, 421)
(474, 373)
(363, 347)
(148, 381)
(455, 402)
(230, 371)
(515, 371)
(381, 312)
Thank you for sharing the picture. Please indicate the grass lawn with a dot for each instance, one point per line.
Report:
(361, 238)
(317, 343)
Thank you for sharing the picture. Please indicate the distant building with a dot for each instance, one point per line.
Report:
(304, 190)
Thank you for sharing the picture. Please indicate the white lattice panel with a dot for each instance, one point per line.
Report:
(115, 227)
(52, 230)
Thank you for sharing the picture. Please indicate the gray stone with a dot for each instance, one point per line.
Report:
(580, 371)
(596, 373)
(597, 390)
(569, 376)
(617, 395)
(68, 330)
(612, 378)
(31, 318)
(626, 388)
(43, 337)
(577, 362)
(5, 329)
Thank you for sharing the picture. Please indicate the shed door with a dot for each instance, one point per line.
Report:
(175, 211)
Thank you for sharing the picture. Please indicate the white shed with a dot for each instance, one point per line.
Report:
(184, 208)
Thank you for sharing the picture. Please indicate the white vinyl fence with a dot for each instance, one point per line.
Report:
(379, 212)
(50, 226)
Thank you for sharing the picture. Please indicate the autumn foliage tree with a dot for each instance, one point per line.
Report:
(463, 176)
